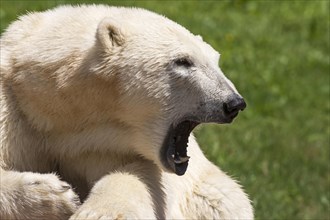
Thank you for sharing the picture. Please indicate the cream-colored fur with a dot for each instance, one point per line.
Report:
(90, 92)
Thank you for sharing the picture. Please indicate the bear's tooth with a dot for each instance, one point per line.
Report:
(179, 159)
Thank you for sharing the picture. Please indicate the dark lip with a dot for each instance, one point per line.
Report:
(175, 146)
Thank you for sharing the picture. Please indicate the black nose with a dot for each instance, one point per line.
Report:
(234, 105)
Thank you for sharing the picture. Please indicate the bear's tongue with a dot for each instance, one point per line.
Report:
(177, 150)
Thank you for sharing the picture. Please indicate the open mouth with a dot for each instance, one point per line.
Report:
(174, 149)
(173, 152)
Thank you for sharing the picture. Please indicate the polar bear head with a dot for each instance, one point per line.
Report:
(169, 81)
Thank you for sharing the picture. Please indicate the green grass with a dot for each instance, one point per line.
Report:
(277, 54)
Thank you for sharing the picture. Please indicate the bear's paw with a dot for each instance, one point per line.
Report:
(47, 196)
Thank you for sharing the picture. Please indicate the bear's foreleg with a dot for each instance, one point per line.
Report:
(132, 192)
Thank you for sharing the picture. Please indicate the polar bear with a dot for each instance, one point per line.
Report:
(103, 99)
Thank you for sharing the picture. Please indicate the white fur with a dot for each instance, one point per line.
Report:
(89, 92)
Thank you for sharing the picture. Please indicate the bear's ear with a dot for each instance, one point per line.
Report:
(109, 33)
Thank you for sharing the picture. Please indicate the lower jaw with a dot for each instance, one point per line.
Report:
(174, 148)
(180, 169)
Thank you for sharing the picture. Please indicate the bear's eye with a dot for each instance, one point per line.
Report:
(185, 62)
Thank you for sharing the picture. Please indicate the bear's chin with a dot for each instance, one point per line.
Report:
(174, 150)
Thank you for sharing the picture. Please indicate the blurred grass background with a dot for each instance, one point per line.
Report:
(277, 55)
